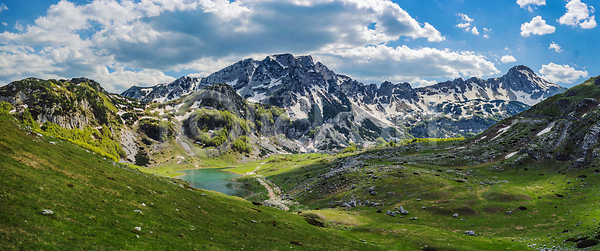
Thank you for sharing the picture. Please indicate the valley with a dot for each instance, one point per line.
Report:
(86, 169)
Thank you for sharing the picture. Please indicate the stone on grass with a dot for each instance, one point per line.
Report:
(47, 211)
(455, 215)
(470, 233)
(137, 228)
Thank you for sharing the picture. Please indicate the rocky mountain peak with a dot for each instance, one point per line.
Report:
(523, 78)
(520, 69)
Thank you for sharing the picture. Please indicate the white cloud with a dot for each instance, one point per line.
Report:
(463, 25)
(378, 63)
(4, 24)
(423, 82)
(561, 73)
(183, 34)
(508, 59)
(555, 46)
(527, 3)
(578, 14)
(18, 26)
(3, 7)
(121, 77)
(465, 18)
(537, 26)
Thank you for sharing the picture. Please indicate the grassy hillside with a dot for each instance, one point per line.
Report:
(538, 203)
(94, 203)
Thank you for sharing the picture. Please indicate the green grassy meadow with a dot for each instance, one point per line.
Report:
(94, 202)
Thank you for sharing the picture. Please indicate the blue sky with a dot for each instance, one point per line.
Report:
(126, 43)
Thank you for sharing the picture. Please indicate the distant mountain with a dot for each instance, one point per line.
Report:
(340, 108)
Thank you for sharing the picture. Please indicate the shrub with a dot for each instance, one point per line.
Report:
(27, 120)
(157, 130)
(351, 148)
(242, 145)
(5, 108)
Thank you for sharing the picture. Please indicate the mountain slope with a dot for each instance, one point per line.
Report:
(564, 128)
(79, 110)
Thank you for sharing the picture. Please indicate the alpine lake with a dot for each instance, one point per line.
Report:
(214, 179)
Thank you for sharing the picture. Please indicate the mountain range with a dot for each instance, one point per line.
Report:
(341, 110)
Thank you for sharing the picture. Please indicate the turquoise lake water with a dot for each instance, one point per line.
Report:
(214, 179)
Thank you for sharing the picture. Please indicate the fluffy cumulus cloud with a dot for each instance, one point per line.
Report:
(507, 59)
(124, 43)
(3, 7)
(537, 26)
(561, 73)
(578, 14)
(406, 64)
(554, 46)
(527, 4)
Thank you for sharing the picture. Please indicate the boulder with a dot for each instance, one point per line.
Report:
(587, 243)
(470, 233)
(455, 215)
(352, 203)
